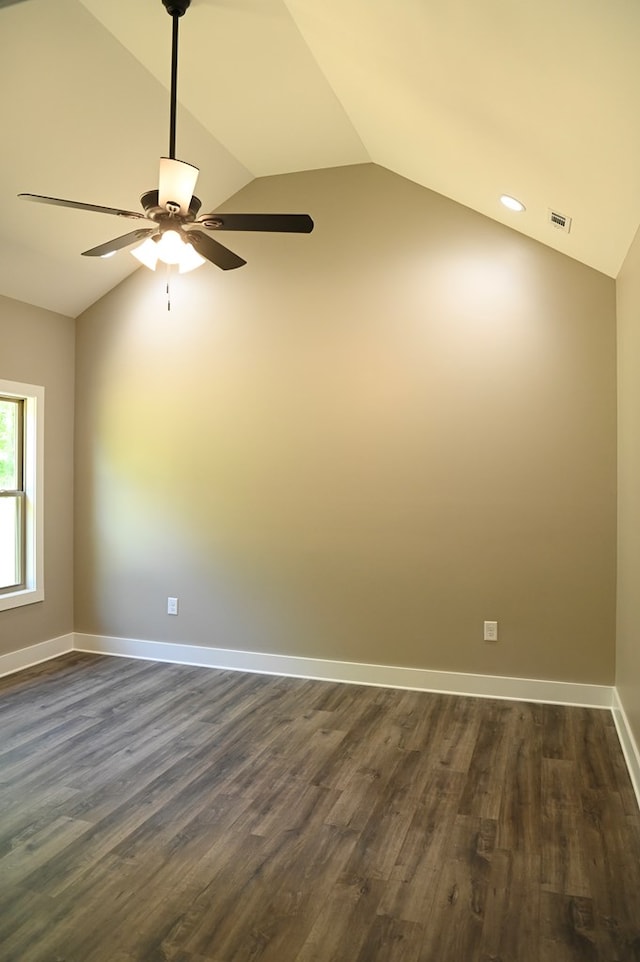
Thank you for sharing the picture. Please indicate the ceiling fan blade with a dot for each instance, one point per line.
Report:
(78, 205)
(207, 247)
(119, 242)
(177, 182)
(286, 223)
(7, 3)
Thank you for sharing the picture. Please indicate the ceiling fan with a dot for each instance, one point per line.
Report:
(176, 233)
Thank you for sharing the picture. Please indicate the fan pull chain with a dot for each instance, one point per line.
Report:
(168, 286)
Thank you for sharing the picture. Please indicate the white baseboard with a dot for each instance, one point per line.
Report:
(385, 676)
(34, 654)
(630, 748)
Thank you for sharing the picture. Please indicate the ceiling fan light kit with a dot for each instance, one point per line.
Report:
(171, 250)
(174, 234)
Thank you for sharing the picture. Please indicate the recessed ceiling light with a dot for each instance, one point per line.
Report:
(512, 203)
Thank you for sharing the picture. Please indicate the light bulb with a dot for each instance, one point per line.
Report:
(170, 247)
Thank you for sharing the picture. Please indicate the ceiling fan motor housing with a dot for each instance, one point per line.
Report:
(153, 211)
(176, 6)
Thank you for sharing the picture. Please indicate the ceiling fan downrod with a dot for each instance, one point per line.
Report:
(176, 9)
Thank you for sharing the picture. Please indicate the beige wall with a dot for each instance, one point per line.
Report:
(360, 445)
(37, 347)
(628, 634)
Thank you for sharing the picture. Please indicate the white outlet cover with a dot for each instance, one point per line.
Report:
(491, 631)
(172, 606)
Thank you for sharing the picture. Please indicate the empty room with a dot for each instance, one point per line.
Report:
(320, 514)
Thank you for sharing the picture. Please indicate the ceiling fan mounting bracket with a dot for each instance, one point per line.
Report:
(178, 7)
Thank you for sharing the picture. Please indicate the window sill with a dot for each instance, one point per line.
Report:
(27, 596)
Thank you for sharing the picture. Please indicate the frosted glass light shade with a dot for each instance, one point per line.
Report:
(170, 249)
(189, 259)
(147, 253)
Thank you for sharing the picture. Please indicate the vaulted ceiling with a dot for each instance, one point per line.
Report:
(470, 98)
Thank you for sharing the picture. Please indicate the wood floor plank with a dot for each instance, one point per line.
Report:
(390, 940)
(593, 749)
(564, 858)
(511, 931)
(620, 771)
(409, 894)
(342, 927)
(558, 734)
(454, 926)
(608, 843)
(164, 813)
(390, 814)
(567, 928)
(484, 784)
(520, 812)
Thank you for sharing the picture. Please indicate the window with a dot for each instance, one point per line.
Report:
(12, 494)
(21, 450)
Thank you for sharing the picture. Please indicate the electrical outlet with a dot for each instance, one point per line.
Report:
(491, 631)
(172, 606)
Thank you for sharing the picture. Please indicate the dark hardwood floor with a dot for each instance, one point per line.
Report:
(160, 813)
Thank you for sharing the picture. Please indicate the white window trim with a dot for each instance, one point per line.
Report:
(33, 396)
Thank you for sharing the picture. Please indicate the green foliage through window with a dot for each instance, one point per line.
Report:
(9, 413)
(21, 493)
(11, 470)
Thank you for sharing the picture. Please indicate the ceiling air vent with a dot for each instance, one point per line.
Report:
(560, 221)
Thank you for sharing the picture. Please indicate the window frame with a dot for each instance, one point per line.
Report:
(17, 495)
(32, 531)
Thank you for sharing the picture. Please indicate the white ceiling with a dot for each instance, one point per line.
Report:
(471, 98)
